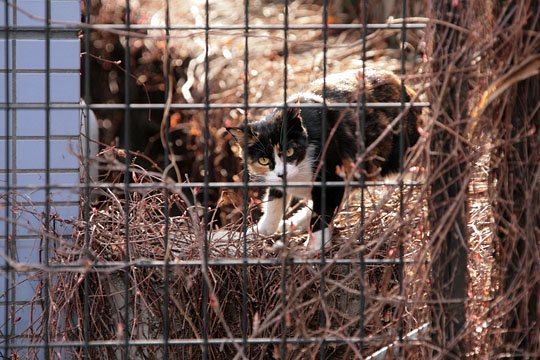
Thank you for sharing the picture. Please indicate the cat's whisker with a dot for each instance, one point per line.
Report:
(256, 178)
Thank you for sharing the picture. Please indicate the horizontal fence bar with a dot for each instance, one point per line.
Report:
(179, 187)
(43, 203)
(37, 33)
(38, 233)
(393, 349)
(41, 170)
(396, 26)
(198, 342)
(38, 137)
(202, 106)
(112, 266)
(52, 70)
(135, 27)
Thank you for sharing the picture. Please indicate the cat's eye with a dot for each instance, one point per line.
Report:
(264, 160)
(290, 152)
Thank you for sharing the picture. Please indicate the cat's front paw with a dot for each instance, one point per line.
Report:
(315, 240)
(292, 226)
(285, 226)
(299, 222)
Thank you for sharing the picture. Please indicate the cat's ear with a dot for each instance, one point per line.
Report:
(293, 114)
(294, 118)
(238, 133)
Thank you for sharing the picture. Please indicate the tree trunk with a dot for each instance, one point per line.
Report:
(516, 178)
(450, 168)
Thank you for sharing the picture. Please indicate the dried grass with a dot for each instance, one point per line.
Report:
(336, 297)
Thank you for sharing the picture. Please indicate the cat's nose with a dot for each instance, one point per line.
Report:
(280, 175)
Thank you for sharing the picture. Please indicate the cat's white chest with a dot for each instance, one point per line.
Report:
(301, 192)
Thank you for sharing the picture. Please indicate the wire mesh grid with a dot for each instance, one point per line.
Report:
(196, 257)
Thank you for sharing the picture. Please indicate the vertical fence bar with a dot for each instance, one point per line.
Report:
(360, 135)
(401, 266)
(7, 154)
(86, 210)
(245, 179)
(48, 199)
(167, 118)
(127, 187)
(324, 139)
(285, 256)
(205, 299)
(11, 241)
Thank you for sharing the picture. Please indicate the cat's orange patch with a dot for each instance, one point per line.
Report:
(252, 139)
(256, 168)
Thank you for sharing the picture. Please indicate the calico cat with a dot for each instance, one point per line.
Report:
(297, 154)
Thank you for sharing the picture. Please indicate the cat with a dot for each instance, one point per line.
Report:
(271, 155)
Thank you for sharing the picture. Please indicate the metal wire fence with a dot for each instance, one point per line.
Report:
(129, 218)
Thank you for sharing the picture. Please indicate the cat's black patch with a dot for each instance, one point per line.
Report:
(274, 194)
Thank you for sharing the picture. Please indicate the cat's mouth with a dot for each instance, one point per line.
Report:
(300, 172)
(278, 178)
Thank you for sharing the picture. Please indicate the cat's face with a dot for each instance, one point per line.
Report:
(271, 154)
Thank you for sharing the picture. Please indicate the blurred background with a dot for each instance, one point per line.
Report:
(141, 64)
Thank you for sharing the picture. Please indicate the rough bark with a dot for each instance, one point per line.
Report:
(516, 175)
(449, 176)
